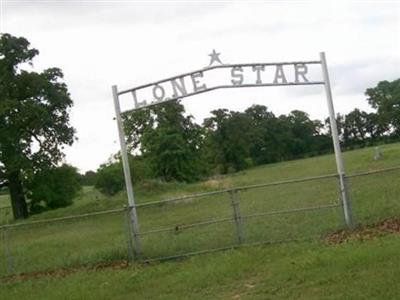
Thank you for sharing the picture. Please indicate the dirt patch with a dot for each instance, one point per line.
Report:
(217, 183)
(116, 265)
(365, 232)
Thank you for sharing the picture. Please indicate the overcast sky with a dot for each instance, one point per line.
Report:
(128, 43)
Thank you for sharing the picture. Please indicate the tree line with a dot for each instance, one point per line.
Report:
(167, 144)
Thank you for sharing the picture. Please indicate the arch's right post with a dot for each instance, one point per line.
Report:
(344, 195)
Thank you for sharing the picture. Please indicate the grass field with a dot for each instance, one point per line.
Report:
(305, 270)
(356, 270)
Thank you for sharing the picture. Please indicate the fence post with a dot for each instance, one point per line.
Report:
(336, 145)
(127, 175)
(236, 214)
(7, 251)
(128, 231)
(348, 212)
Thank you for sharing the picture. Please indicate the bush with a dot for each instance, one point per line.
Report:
(89, 178)
(55, 187)
(110, 176)
(110, 179)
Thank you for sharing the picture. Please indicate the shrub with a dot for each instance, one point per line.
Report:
(110, 179)
(55, 187)
(110, 176)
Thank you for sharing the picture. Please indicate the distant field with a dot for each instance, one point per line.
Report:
(94, 239)
(355, 161)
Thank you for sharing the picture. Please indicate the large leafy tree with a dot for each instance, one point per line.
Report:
(261, 134)
(375, 127)
(227, 142)
(385, 97)
(167, 139)
(361, 128)
(303, 130)
(34, 118)
(269, 137)
(235, 140)
(355, 127)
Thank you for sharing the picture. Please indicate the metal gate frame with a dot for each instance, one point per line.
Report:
(346, 203)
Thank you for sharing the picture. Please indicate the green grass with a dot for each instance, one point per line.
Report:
(4, 201)
(5, 209)
(90, 240)
(357, 270)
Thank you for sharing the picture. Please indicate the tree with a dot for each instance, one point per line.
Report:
(234, 140)
(355, 126)
(343, 135)
(53, 188)
(302, 129)
(167, 139)
(322, 142)
(89, 178)
(269, 137)
(110, 179)
(385, 97)
(227, 139)
(34, 118)
(261, 134)
(375, 127)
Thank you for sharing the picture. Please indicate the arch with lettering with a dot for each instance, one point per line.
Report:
(231, 76)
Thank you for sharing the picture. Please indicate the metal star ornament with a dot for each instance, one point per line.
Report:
(214, 57)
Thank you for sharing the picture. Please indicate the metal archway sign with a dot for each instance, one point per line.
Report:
(200, 81)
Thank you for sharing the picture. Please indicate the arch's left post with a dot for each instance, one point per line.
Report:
(127, 174)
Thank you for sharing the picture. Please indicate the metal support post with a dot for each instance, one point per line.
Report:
(128, 231)
(335, 138)
(348, 212)
(127, 174)
(236, 215)
(7, 251)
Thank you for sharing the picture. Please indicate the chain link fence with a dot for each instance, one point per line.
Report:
(375, 195)
(5, 215)
(265, 213)
(64, 242)
(282, 211)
